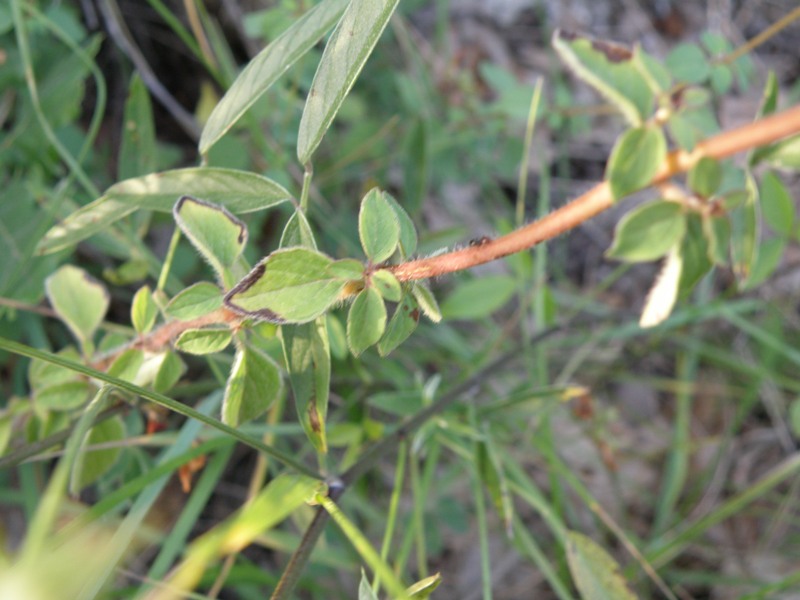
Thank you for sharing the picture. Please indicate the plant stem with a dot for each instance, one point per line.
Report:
(599, 198)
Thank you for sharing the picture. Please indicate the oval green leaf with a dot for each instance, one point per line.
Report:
(127, 365)
(402, 324)
(777, 206)
(238, 191)
(366, 320)
(306, 350)
(169, 372)
(610, 69)
(216, 234)
(378, 227)
(387, 285)
(93, 464)
(705, 176)
(196, 300)
(597, 576)
(662, 296)
(427, 301)
(267, 66)
(79, 300)
(408, 232)
(63, 396)
(636, 157)
(478, 297)
(345, 54)
(144, 310)
(292, 285)
(204, 341)
(253, 385)
(648, 232)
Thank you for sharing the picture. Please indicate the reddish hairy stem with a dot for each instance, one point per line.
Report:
(598, 199)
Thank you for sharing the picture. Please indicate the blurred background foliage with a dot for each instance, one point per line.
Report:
(669, 431)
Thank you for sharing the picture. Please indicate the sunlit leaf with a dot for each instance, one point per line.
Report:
(387, 285)
(292, 285)
(662, 296)
(253, 385)
(238, 191)
(345, 54)
(636, 157)
(378, 227)
(648, 232)
(366, 320)
(267, 66)
(427, 301)
(198, 299)
(144, 310)
(610, 69)
(204, 341)
(79, 300)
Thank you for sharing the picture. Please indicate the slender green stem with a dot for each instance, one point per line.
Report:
(307, 175)
(418, 518)
(522, 183)
(394, 504)
(167, 266)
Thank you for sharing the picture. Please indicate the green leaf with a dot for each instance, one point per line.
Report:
(705, 176)
(169, 372)
(238, 191)
(42, 374)
(688, 64)
(345, 54)
(610, 69)
(427, 301)
(365, 591)
(782, 155)
(402, 324)
(137, 150)
(648, 232)
(479, 297)
(408, 233)
(387, 285)
(422, 589)
(662, 296)
(196, 300)
(348, 269)
(217, 235)
(204, 341)
(253, 385)
(127, 365)
(308, 360)
(767, 259)
(267, 66)
(337, 337)
(718, 235)
(292, 285)
(62, 396)
(721, 79)
(92, 465)
(597, 576)
(144, 310)
(694, 253)
(636, 157)
(79, 300)
(378, 227)
(297, 232)
(366, 320)
(777, 206)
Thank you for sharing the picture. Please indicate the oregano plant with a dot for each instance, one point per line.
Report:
(275, 323)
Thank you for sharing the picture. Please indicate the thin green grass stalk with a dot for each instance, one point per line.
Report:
(114, 501)
(527, 546)
(480, 512)
(175, 542)
(771, 590)
(33, 90)
(30, 490)
(759, 334)
(363, 547)
(394, 504)
(168, 259)
(41, 525)
(160, 399)
(677, 465)
(418, 518)
(185, 36)
(526, 490)
(127, 530)
(663, 550)
(530, 126)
